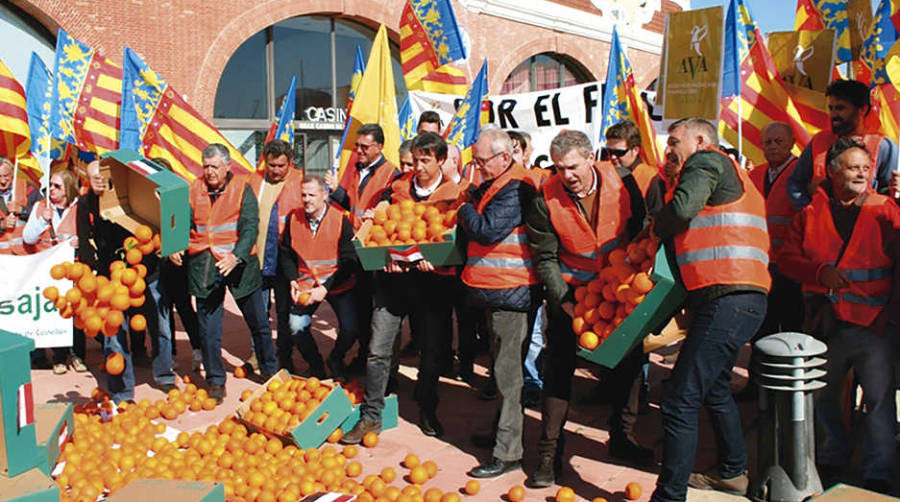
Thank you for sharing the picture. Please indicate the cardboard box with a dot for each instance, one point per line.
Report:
(141, 192)
(30, 486)
(18, 446)
(390, 415)
(844, 493)
(169, 490)
(666, 296)
(313, 431)
(54, 424)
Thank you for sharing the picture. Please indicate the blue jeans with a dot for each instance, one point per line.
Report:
(344, 305)
(718, 330)
(121, 387)
(210, 311)
(163, 373)
(533, 380)
(871, 358)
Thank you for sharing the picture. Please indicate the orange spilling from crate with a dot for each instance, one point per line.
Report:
(603, 303)
(97, 303)
(409, 222)
(285, 404)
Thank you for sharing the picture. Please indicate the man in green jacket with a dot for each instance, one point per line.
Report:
(224, 222)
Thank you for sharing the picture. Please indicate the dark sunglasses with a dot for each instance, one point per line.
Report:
(608, 153)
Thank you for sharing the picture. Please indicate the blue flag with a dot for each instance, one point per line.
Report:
(284, 121)
(139, 99)
(466, 123)
(39, 94)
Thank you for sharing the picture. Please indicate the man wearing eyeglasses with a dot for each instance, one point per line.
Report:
(221, 253)
(583, 212)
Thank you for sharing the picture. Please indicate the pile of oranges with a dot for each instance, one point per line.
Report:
(97, 303)
(409, 222)
(604, 303)
(284, 404)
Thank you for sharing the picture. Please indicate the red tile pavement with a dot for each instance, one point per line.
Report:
(590, 471)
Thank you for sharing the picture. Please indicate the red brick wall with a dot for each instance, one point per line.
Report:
(189, 42)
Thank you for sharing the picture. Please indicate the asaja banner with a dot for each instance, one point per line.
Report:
(692, 64)
(23, 308)
(804, 58)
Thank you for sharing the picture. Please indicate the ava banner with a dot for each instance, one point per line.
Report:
(23, 309)
(804, 58)
(692, 63)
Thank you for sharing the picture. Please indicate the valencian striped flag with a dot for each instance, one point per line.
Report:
(429, 38)
(808, 16)
(158, 122)
(87, 92)
(448, 79)
(283, 126)
(462, 132)
(750, 73)
(621, 102)
(15, 137)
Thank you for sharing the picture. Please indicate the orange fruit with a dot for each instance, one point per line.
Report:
(350, 451)
(430, 466)
(609, 292)
(115, 364)
(353, 469)
(418, 475)
(93, 325)
(370, 440)
(388, 474)
(303, 298)
(51, 293)
(418, 234)
(516, 494)
(591, 316)
(115, 318)
(240, 372)
(143, 233)
(87, 283)
(565, 494)
(137, 289)
(578, 325)
(137, 302)
(75, 271)
(617, 256)
(138, 322)
(622, 292)
(209, 404)
(129, 276)
(436, 230)
(57, 271)
(472, 487)
(433, 495)
(632, 491)
(606, 310)
(410, 461)
(595, 286)
(450, 497)
(336, 436)
(591, 300)
(642, 283)
(589, 340)
(580, 293)
(134, 256)
(73, 295)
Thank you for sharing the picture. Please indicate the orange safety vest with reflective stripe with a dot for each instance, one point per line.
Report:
(822, 141)
(216, 225)
(66, 230)
(863, 259)
(779, 211)
(11, 240)
(318, 255)
(288, 198)
(505, 264)
(371, 194)
(726, 244)
(643, 175)
(582, 247)
(443, 196)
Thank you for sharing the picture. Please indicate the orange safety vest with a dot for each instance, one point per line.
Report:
(443, 196)
(288, 198)
(506, 263)
(11, 240)
(378, 182)
(822, 141)
(318, 255)
(726, 244)
(643, 175)
(65, 231)
(779, 211)
(863, 259)
(582, 248)
(216, 225)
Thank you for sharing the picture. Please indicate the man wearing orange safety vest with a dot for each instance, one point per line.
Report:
(843, 248)
(501, 282)
(582, 213)
(15, 206)
(277, 191)
(221, 253)
(319, 263)
(848, 105)
(715, 220)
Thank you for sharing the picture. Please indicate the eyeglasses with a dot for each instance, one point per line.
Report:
(608, 153)
(56, 185)
(364, 147)
(480, 162)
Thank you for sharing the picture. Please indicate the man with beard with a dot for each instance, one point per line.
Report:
(843, 248)
(848, 105)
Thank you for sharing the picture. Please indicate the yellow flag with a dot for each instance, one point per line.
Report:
(375, 102)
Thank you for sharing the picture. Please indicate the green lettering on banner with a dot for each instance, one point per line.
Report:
(7, 308)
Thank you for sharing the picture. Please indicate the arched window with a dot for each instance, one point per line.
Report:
(320, 51)
(29, 35)
(540, 72)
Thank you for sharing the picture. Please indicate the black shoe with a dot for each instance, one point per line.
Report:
(878, 485)
(449, 370)
(217, 392)
(363, 427)
(531, 397)
(485, 441)
(411, 349)
(489, 392)
(356, 367)
(335, 367)
(166, 387)
(429, 424)
(545, 474)
(494, 468)
(623, 448)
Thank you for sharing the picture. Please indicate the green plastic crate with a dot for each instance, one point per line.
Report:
(438, 253)
(142, 192)
(18, 445)
(665, 297)
(390, 415)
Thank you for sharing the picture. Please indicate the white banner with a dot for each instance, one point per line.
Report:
(23, 308)
(542, 114)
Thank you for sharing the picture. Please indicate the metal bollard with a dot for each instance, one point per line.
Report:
(788, 374)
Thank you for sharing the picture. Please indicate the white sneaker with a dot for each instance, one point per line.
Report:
(197, 363)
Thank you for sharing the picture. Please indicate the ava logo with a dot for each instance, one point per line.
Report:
(800, 77)
(695, 64)
(801, 55)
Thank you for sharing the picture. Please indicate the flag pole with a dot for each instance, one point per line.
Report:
(12, 198)
(740, 132)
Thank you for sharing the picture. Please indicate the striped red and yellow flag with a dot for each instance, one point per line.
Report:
(429, 38)
(448, 79)
(808, 16)
(15, 135)
(87, 96)
(157, 121)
